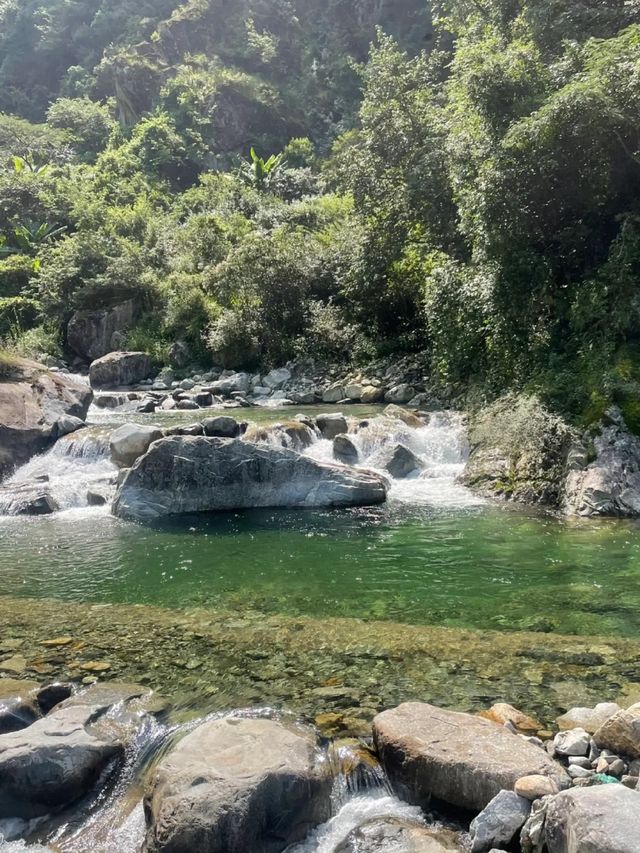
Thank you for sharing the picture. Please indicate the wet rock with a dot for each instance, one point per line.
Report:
(236, 784)
(592, 820)
(294, 435)
(371, 395)
(621, 733)
(535, 787)
(222, 426)
(51, 695)
(203, 399)
(97, 497)
(400, 394)
(499, 821)
(188, 429)
(187, 405)
(398, 460)
(18, 704)
(131, 441)
(588, 719)
(32, 402)
(344, 450)
(458, 758)
(52, 763)
(572, 742)
(193, 474)
(392, 835)
(119, 368)
(502, 713)
(27, 499)
(332, 425)
(409, 418)
(67, 424)
(93, 334)
(353, 391)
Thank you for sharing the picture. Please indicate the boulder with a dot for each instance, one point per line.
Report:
(610, 485)
(371, 394)
(32, 403)
(593, 820)
(398, 460)
(203, 399)
(295, 435)
(572, 742)
(29, 498)
(331, 425)
(400, 394)
(52, 762)
(353, 391)
(499, 821)
(196, 474)
(236, 785)
(588, 719)
(344, 450)
(187, 429)
(223, 426)
(67, 424)
(334, 393)
(235, 382)
(119, 368)
(620, 733)
(409, 418)
(458, 758)
(275, 379)
(92, 334)
(186, 404)
(393, 835)
(130, 441)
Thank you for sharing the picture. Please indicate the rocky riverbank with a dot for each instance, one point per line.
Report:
(263, 781)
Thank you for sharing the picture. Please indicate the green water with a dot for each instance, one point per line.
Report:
(483, 567)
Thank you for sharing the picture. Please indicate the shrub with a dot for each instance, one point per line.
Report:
(17, 313)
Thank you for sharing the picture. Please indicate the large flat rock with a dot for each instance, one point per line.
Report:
(236, 785)
(188, 474)
(457, 758)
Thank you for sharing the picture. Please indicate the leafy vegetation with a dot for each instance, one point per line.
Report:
(269, 179)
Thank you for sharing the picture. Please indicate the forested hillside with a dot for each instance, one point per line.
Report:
(461, 180)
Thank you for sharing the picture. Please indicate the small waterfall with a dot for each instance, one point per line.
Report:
(440, 446)
(75, 465)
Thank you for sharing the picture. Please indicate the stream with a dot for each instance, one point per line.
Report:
(436, 595)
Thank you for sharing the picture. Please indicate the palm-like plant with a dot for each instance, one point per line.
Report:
(257, 171)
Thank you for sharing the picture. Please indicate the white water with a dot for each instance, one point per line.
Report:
(74, 465)
(441, 446)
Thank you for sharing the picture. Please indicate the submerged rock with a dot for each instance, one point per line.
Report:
(398, 460)
(195, 474)
(236, 785)
(458, 758)
(393, 835)
(18, 704)
(33, 404)
(119, 368)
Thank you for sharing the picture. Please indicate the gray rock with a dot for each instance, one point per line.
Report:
(275, 379)
(499, 821)
(371, 395)
(187, 405)
(188, 429)
(400, 394)
(179, 354)
(194, 474)
(577, 772)
(130, 441)
(236, 785)
(93, 334)
(334, 393)
(27, 499)
(621, 733)
(203, 399)
(18, 705)
(67, 424)
(344, 450)
(391, 835)
(458, 758)
(331, 425)
(119, 368)
(234, 382)
(409, 418)
(53, 762)
(187, 384)
(398, 460)
(221, 427)
(588, 719)
(600, 819)
(572, 742)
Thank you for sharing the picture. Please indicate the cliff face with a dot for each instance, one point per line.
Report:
(33, 405)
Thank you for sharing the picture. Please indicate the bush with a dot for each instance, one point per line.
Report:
(37, 343)
(232, 341)
(15, 273)
(17, 313)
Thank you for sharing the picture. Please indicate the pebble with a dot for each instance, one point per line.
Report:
(577, 772)
(535, 786)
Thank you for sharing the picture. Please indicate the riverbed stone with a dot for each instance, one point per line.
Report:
(572, 742)
(393, 835)
(52, 762)
(184, 474)
(334, 393)
(407, 417)
(344, 450)
(536, 786)
(130, 441)
(119, 368)
(227, 385)
(499, 821)
(275, 379)
(399, 460)
(236, 784)
(502, 712)
(620, 733)
(400, 394)
(371, 394)
(18, 704)
(332, 425)
(458, 758)
(222, 426)
(589, 719)
(593, 820)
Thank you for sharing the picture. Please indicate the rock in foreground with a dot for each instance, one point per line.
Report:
(457, 758)
(185, 474)
(236, 785)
